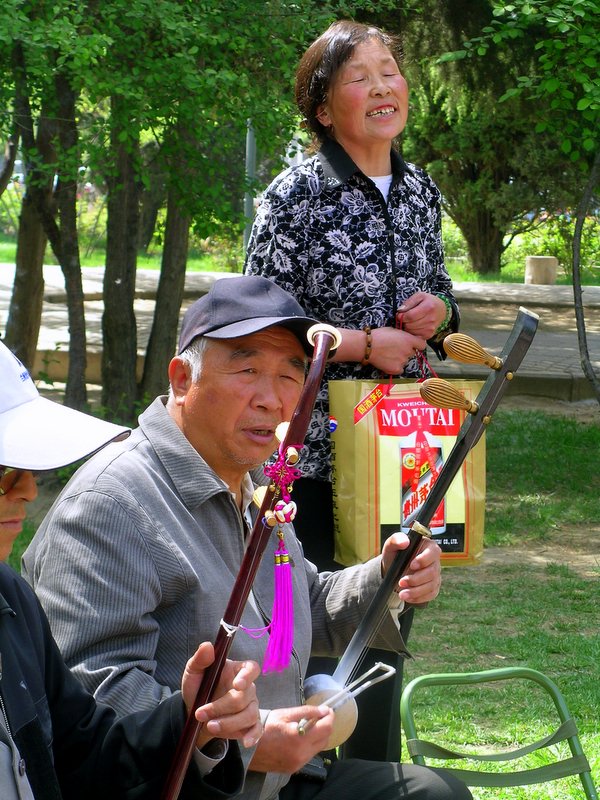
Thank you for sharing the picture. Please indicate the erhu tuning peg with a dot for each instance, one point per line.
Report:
(442, 394)
(463, 348)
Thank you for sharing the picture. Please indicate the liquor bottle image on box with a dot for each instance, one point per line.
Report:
(421, 460)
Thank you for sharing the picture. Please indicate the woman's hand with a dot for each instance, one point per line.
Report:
(422, 314)
(391, 349)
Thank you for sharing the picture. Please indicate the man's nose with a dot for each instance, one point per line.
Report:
(267, 394)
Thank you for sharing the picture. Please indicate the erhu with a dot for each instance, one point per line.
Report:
(340, 688)
(324, 339)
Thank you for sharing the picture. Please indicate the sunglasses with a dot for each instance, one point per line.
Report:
(10, 476)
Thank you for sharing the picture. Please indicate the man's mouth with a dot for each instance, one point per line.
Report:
(263, 433)
(382, 112)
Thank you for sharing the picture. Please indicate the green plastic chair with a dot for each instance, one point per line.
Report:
(576, 764)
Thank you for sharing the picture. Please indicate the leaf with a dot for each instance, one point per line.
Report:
(510, 93)
(456, 55)
(551, 85)
(566, 146)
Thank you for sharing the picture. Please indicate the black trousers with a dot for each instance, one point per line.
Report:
(376, 780)
(377, 734)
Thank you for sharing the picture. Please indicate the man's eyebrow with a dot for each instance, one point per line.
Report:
(248, 352)
(299, 363)
(242, 352)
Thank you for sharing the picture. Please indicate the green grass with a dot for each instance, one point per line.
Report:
(220, 259)
(460, 272)
(8, 249)
(542, 475)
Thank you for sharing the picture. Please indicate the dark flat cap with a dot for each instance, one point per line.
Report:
(243, 305)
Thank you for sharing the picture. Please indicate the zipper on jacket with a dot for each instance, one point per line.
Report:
(5, 716)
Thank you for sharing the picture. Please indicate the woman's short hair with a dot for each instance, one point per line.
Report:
(321, 62)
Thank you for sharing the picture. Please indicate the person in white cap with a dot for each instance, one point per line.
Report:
(55, 741)
(37, 435)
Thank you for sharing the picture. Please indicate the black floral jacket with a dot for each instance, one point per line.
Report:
(324, 232)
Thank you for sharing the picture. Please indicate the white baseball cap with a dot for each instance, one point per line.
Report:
(38, 434)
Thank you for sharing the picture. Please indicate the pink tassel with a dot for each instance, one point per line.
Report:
(281, 640)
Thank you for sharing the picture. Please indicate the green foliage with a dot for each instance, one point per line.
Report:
(455, 246)
(185, 74)
(567, 46)
(21, 543)
(491, 164)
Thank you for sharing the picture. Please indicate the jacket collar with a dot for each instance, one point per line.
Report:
(338, 166)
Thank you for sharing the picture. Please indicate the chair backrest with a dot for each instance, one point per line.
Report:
(576, 764)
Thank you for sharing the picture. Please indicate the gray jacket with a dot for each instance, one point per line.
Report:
(134, 565)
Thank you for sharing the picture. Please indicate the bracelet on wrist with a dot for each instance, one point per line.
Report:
(368, 345)
(449, 311)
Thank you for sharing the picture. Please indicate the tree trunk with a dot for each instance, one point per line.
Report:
(25, 311)
(163, 337)
(484, 243)
(76, 393)
(152, 195)
(119, 352)
(582, 210)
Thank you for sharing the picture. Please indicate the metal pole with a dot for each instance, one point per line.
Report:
(250, 176)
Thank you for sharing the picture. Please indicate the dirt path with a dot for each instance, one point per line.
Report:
(577, 548)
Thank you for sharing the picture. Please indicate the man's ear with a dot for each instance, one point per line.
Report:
(179, 377)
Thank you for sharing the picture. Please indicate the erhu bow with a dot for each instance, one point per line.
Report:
(324, 339)
(479, 414)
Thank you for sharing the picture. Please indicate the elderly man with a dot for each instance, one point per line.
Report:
(136, 561)
(55, 742)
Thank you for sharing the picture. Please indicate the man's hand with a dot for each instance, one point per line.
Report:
(282, 748)
(233, 711)
(422, 581)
